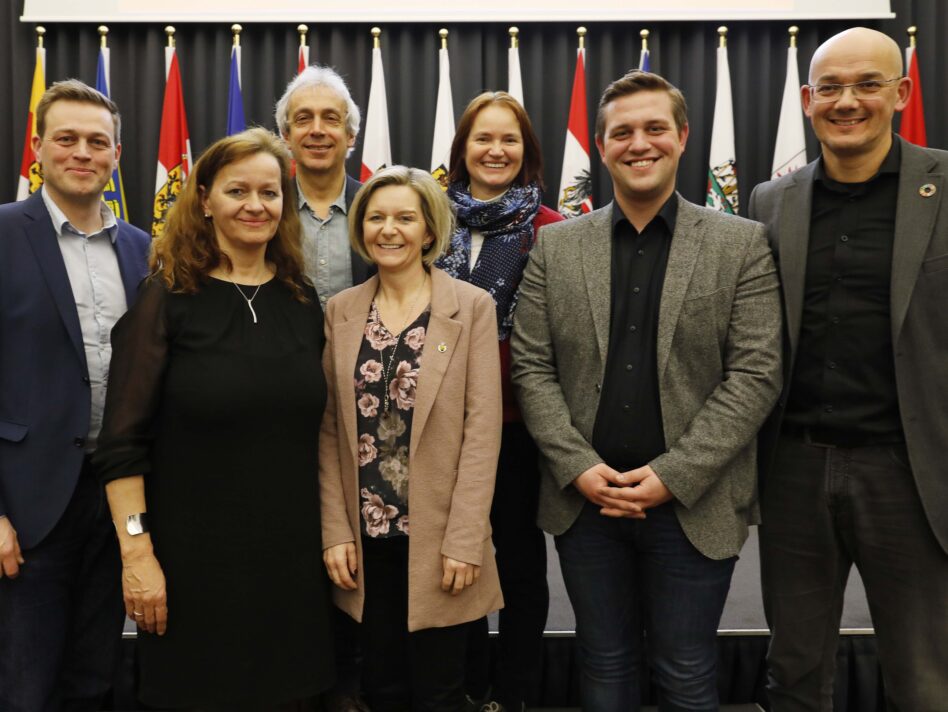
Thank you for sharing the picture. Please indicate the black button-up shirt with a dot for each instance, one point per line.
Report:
(843, 385)
(628, 431)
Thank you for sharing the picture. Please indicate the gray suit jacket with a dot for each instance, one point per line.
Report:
(718, 351)
(918, 305)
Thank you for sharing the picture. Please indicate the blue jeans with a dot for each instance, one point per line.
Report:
(61, 618)
(631, 580)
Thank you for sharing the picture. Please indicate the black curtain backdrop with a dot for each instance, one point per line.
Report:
(684, 52)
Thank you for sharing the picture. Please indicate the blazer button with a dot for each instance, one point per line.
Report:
(79, 442)
(85, 379)
(598, 387)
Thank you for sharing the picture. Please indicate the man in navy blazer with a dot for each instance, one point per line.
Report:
(68, 271)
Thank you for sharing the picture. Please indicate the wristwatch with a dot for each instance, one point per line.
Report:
(136, 524)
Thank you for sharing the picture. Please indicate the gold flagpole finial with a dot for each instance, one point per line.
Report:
(514, 39)
(722, 34)
(169, 31)
(376, 33)
(911, 33)
(794, 31)
(40, 31)
(302, 29)
(581, 33)
(644, 35)
(103, 33)
(443, 34)
(236, 30)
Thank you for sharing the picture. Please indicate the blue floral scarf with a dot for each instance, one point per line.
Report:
(507, 227)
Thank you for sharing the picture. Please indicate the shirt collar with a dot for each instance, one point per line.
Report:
(62, 226)
(668, 212)
(890, 164)
(339, 203)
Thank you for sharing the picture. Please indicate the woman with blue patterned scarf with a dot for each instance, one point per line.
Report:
(496, 185)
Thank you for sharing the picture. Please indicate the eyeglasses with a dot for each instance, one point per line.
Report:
(869, 89)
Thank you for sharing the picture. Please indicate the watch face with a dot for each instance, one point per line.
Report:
(136, 524)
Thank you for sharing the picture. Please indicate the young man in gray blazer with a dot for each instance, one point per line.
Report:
(646, 356)
(853, 458)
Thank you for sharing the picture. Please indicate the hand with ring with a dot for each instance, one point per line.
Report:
(143, 587)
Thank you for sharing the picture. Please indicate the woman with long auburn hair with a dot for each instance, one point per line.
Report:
(496, 184)
(208, 449)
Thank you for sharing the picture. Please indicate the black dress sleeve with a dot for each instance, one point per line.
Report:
(139, 357)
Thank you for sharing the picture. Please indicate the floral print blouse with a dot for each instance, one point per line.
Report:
(386, 374)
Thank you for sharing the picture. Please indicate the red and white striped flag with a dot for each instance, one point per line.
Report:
(376, 146)
(912, 128)
(174, 145)
(575, 182)
(30, 177)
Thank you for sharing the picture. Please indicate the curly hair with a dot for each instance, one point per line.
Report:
(187, 251)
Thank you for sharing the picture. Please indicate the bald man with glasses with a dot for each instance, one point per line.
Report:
(852, 460)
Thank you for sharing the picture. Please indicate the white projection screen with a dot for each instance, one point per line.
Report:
(440, 11)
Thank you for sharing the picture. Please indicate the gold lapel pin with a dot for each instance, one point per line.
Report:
(442, 347)
(927, 190)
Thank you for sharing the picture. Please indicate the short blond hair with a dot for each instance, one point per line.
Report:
(435, 206)
(75, 90)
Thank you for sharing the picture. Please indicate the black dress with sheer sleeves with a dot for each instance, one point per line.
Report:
(221, 415)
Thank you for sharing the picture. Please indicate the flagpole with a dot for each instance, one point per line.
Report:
(575, 194)
(645, 55)
(444, 116)
(722, 164)
(514, 79)
(31, 178)
(376, 143)
(304, 48)
(912, 123)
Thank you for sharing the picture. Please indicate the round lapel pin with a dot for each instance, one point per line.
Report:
(927, 190)
(442, 347)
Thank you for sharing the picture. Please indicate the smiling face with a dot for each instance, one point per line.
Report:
(77, 151)
(641, 147)
(245, 203)
(851, 127)
(394, 229)
(317, 133)
(493, 154)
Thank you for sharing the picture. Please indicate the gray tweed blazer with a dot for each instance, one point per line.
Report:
(719, 365)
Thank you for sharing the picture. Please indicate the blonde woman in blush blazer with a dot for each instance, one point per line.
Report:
(408, 448)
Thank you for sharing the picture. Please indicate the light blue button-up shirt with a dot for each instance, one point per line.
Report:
(327, 259)
(96, 282)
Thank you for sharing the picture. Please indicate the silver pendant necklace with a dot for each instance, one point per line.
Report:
(387, 369)
(250, 300)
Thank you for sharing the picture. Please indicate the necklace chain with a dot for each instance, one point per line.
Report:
(250, 300)
(386, 370)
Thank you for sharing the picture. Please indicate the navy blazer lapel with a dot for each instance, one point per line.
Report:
(596, 250)
(794, 240)
(42, 238)
(682, 257)
(914, 221)
(129, 265)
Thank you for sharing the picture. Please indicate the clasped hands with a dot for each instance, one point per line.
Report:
(341, 565)
(622, 494)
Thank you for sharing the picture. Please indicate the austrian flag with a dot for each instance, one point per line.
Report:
(576, 183)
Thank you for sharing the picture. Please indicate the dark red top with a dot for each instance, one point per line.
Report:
(511, 412)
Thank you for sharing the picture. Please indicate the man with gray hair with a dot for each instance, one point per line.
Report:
(852, 461)
(319, 120)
